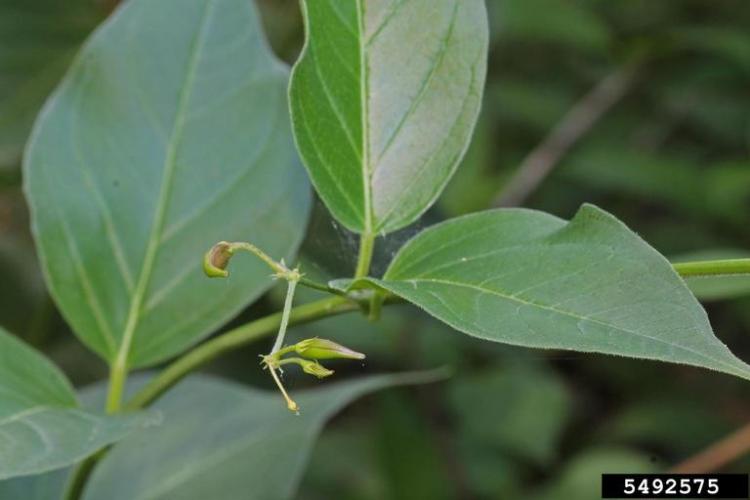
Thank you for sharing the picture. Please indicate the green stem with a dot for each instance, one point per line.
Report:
(366, 245)
(713, 267)
(80, 476)
(290, 361)
(285, 350)
(233, 339)
(320, 287)
(118, 374)
(216, 265)
(285, 316)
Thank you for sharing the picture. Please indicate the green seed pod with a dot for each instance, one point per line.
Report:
(325, 349)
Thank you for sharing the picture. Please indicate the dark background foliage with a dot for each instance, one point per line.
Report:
(670, 156)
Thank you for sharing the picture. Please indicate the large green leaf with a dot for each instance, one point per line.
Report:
(169, 133)
(222, 437)
(42, 427)
(384, 99)
(528, 278)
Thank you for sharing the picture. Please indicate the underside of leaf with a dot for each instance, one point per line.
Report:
(527, 278)
(384, 99)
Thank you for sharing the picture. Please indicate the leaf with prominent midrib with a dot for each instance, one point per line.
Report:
(223, 440)
(42, 427)
(528, 278)
(384, 98)
(169, 133)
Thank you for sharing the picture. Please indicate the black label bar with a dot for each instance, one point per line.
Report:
(675, 486)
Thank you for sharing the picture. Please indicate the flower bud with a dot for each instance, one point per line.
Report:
(325, 349)
(216, 260)
(315, 368)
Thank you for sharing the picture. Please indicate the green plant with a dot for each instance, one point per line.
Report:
(166, 137)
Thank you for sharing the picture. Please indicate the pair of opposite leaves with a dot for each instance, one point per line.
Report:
(166, 137)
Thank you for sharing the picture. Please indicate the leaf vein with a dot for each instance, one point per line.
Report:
(523, 302)
(424, 85)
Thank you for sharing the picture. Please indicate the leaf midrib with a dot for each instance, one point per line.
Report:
(27, 413)
(364, 98)
(512, 298)
(170, 162)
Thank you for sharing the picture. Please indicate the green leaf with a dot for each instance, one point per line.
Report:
(164, 138)
(219, 436)
(48, 486)
(384, 100)
(42, 427)
(528, 278)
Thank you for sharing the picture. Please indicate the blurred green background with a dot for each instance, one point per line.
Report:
(669, 155)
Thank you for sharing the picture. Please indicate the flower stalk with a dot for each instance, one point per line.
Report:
(269, 361)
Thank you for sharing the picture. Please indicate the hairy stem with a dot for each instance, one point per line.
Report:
(713, 267)
(366, 245)
(233, 339)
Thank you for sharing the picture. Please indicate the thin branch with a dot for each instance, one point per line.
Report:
(366, 245)
(718, 455)
(727, 267)
(572, 127)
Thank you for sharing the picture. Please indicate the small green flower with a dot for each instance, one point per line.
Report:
(216, 260)
(315, 368)
(325, 349)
